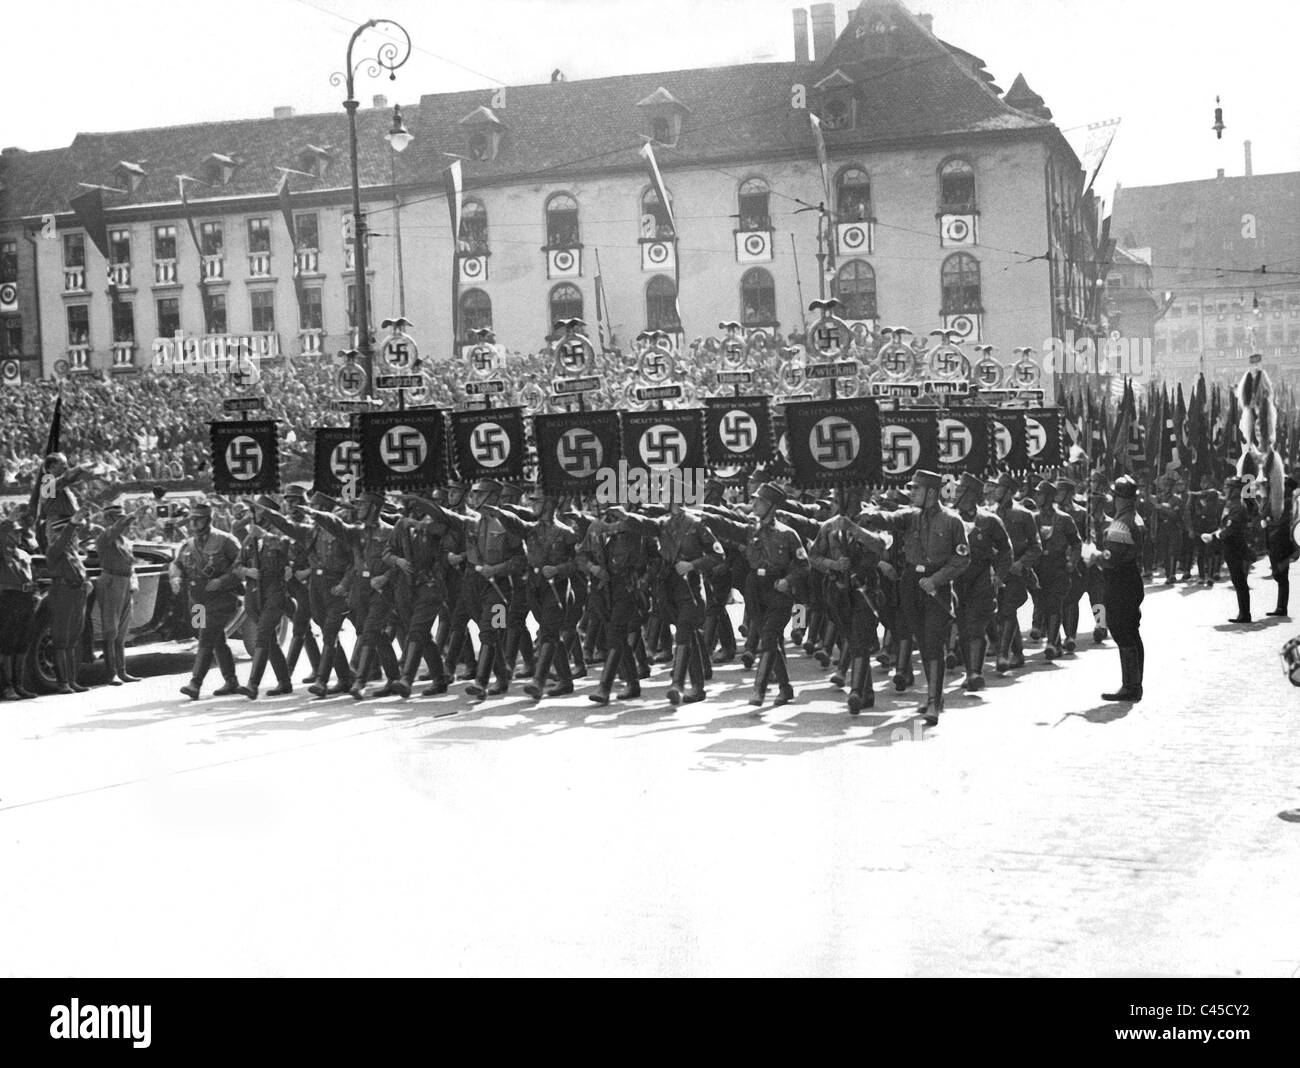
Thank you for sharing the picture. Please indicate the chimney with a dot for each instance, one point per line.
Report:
(1220, 174)
(283, 112)
(823, 30)
(801, 35)
(1249, 171)
(380, 101)
(927, 21)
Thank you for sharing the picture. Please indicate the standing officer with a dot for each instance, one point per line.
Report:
(1282, 550)
(205, 566)
(1169, 506)
(1061, 546)
(1121, 563)
(17, 607)
(1078, 573)
(936, 552)
(115, 589)
(1022, 529)
(67, 598)
(1233, 536)
(265, 563)
(977, 586)
(613, 555)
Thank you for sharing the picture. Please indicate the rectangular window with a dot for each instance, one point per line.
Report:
(312, 316)
(124, 322)
(164, 243)
(217, 313)
(263, 302)
(211, 238)
(74, 250)
(1220, 338)
(11, 337)
(1193, 308)
(259, 235)
(307, 230)
(169, 316)
(78, 324)
(119, 246)
(8, 261)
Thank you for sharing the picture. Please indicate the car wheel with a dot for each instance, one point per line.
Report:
(40, 655)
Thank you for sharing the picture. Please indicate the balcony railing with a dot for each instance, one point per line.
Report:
(259, 265)
(119, 274)
(79, 357)
(74, 279)
(214, 267)
(349, 258)
(164, 272)
(311, 342)
(123, 353)
(308, 261)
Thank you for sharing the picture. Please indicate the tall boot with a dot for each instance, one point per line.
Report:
(706, 663)
(17, 669)
(468, 658)
(825, 647)
(527, 654)
(1070, 625)
(395, 684)
(697, 666)
(202, 665)
(709, 634)
(295, 650)
(72, 666)
(571, 642)
(342, 670)
(110, 656)
(934, 693)
(903, 677)
(974, 665)
(1004, 646)
(283, 679)
(781, 674)
(364, 657)
(1052, 636)
(255, 672)
(842, 667)
(591, 636)
(1130, 665)
(510, 649)
(726, 639)
(641, 660)
(306, 640)
(761, 677)
(563, 676)
(7, 691)
(680, 655)
(812, 636)
(1017, 647)
(545, 655)
(613, 661)
(119, 660)
(326, 664)
(631, 673)
(861, 695)
(226, 662)
(439, 678)
(478, 688)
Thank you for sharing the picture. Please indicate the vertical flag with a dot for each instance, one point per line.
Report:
(286, 210)
(453, 183)
(181, 179)
(51, 445)
(822, 160)
(1120, 460)
(89, 209)
(657, 181)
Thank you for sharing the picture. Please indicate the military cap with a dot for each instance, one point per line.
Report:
(322, 500)
(1065, 484)
(1006, 480)
(201, 508)
(295, 493)
(896, 496)
(771, 492)
(1045, 485)
(372, 497)
(1124, 488)
(970, 484)
(489, 485)
(927, 479)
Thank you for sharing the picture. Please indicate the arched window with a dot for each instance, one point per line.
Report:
(566, 303)
(473, 228)
(475, 312)
(855, 288)
(561, 221)
(661, 304)
(853, 195)
(956, 188)
(960, 278)
(753, 203)
(654, 217)
(757, 298)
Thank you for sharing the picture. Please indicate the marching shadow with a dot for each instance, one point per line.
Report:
(1107, 713)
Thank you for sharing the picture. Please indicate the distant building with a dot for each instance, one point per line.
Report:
(944, 195)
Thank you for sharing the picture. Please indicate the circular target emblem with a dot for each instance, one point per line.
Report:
(403, 449)
(244, 458)
(10, 371)
(756, 245)
(563, 260)
(958, 230)
(489, 444)
(738, 431)
(963, 324)
(853, 238)
(8, 293)
(472, 267)
(662, 447)
(345, 460)
(1001, 440)
(834, 442)
(657, 253)
(1035, 436)
(579, 452)
(900, 449)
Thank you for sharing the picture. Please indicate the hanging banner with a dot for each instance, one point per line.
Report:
(489, 443)
(737, 430)
(245, 456)
(403, 450)
(338, 459)
(962, 441)
(1044, 446)
(664, 441)
(1009, 449)
(909, 442)
(572, 447)
(834, 442)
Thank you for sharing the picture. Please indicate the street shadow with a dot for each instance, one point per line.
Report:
(1107, 713)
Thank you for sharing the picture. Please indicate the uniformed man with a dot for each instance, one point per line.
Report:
(1078, 572)
(417, 551)
(299, 590)
(1282, 549)
(115, 589)
(718, 586)
(1121, 562)
(17, 607)
(1169, 508)
(1233, 537)
(57, 496)
(69, 587)
(613, 554)
(1061, 547)
(205, 568)
(977, 586)
(936, 552)
(1022, 529)
(265, 565)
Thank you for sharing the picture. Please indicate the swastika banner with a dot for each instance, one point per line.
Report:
(962, 440)
(737, 430)
(573, 446)
(489, 443)
(1044, 445)
(834, 442)
(403, 450)
(664, 441)
(909, 442)
(245, 456)
(1009, 452)
(338, 456)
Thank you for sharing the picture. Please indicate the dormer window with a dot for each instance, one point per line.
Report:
(662, 115)
(836, 104)
(315, 160)
(129, 175)
(219, 169)
(482, 134)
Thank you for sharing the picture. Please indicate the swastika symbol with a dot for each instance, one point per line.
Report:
(1035, 436)
(826, 339)
(946, 362)
(654, 366)
(834, 442)
(579, 452)
(1027, 373)
(733, 352)
(897, 361)
(738, 431)
(1002, 439)
(988, 372)
(483, 357)
(900, 449)
(352, 379)
(954, 441)
(573, 355)
(490, 444)
(403, 448)
(244, 458)
(398, 352)
(345, 459)
(663, 447)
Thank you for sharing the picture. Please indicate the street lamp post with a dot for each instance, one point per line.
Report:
(398, 138)
(389, 56)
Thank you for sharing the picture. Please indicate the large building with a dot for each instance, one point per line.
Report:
(950, 204)
(1224, 262)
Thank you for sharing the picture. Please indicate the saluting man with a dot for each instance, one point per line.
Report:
(69, 587)
(206, 567)
(116, 588)
(613, 554)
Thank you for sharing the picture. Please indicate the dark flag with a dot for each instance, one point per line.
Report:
(286, 209)
(338, 458)
(738, 430)
(664, 441)
(1009, 444)
(403, 450)
(198, 248)
(572, 447)
(1043, 438)
(89, 209)
(838, 442)
(40, 492)
(245, 456)
(489, 443)
(1121, 462)
(962, 436)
